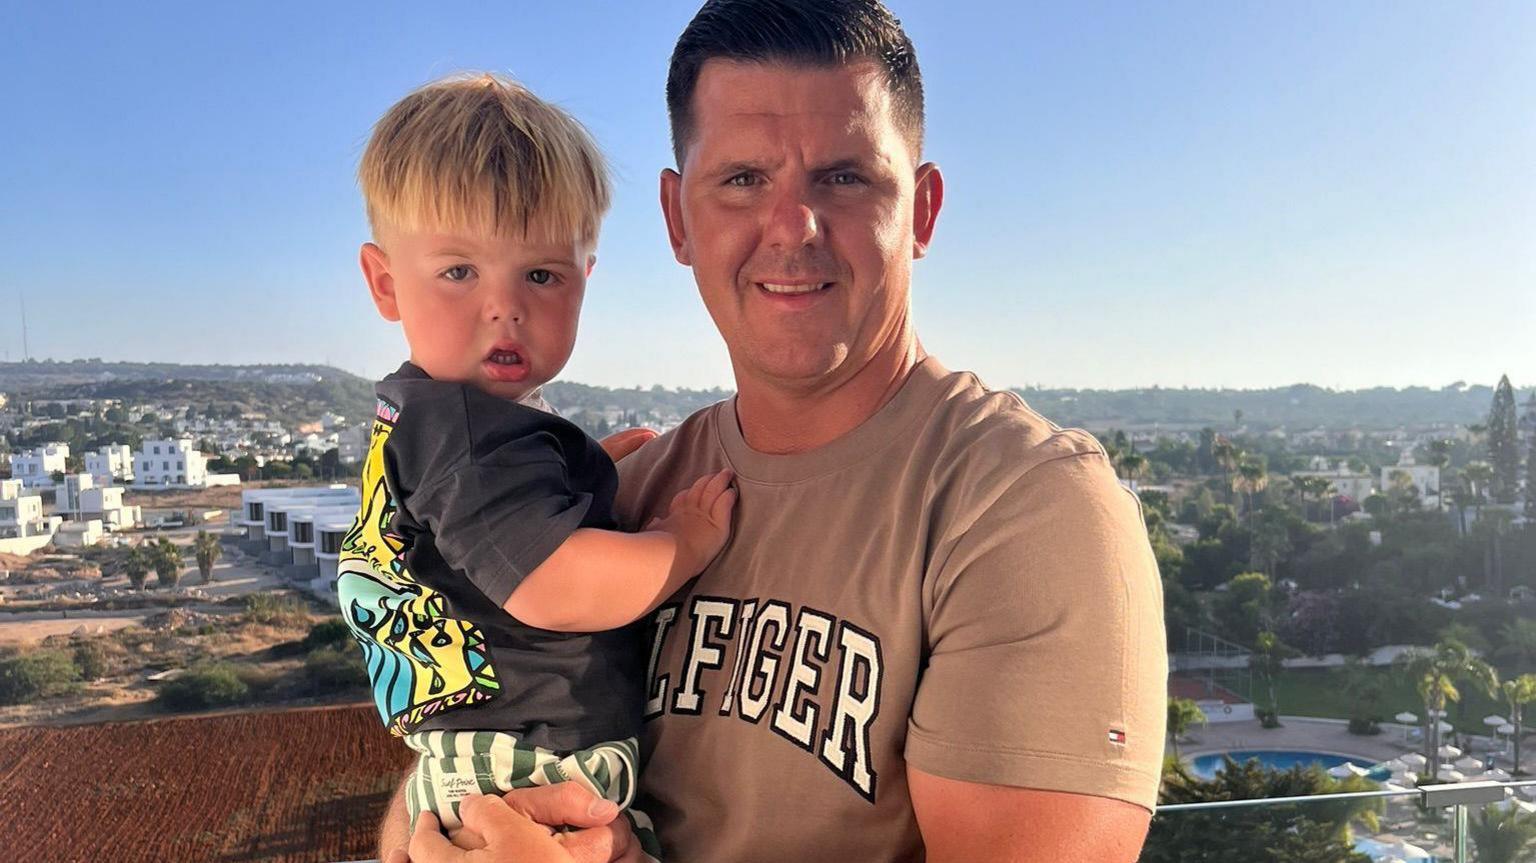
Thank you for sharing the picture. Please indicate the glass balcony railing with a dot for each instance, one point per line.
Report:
(1488, 822)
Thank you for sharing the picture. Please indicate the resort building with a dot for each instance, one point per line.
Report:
(1424, 477)
(167, 463)
(110, 464)
(36, 467)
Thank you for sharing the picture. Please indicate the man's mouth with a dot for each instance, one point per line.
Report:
(790, 289)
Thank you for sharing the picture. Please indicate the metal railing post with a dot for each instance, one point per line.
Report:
(1461, 833)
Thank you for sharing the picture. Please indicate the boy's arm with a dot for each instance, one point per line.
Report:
(602, 579)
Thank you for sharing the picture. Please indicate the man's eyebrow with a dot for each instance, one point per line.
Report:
(849, 164)
(730, 169)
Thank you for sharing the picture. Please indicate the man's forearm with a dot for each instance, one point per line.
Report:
(395, 829)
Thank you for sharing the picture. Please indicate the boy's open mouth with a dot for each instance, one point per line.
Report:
(505, 363)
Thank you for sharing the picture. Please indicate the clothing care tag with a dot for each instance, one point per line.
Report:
(453, 787)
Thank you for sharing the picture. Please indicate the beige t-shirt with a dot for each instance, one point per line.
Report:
(957, 584)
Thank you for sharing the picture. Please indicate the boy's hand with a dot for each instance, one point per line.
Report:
(700, 520)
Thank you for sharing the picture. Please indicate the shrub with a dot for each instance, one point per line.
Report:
(1363, 726)
(217, 685)
(90, 660)
(329, 633)
(43, 673)
(275, 608)
(1267, 718)
(332, 669)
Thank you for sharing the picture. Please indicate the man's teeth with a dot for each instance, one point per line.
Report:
(793, 289)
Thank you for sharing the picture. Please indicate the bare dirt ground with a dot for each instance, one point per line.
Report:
(295, 786)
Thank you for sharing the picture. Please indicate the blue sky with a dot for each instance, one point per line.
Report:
(1181, 194)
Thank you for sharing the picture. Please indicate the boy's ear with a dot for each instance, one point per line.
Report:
(591, 262)
(381, 285)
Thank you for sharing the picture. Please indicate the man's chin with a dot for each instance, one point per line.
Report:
(798, 366)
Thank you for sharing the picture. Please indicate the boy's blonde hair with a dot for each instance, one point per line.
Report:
(481, 152)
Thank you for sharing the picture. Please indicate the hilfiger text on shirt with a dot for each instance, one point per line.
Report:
(739, 653)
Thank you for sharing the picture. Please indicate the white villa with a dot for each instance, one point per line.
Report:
(36, 467)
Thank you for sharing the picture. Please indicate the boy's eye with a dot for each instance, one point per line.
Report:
(541, 277)
(457, 273)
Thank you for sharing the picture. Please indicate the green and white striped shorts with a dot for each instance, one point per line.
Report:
(456, 764)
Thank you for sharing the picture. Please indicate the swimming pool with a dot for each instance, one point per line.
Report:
(1205, 766)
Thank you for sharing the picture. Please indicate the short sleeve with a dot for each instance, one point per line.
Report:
(1048, 663)
(498, 500)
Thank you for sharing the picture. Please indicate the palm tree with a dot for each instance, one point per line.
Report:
(165, 557)
(1134, 466)
(1182, 713)
(1501, 834)
(136, 565)
(1267, 661)
(1227, 456)
(1440, 457)
(1252, 478)
(208, 550)
(1435, 674)
(1478, 475)
(1518, 693)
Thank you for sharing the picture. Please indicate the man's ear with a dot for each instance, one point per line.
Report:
(672, 211)
(381, 285)
(927, 199)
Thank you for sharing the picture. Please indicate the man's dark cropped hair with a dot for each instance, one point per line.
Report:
(812, 32)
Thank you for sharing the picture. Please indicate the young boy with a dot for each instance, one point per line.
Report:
(483, 576)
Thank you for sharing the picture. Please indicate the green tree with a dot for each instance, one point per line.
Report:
(1502, 834)
(1518, 693)
(1183, 713)
(136, 565)
(1133, 466)
(1365, 688)
(1314, 833)
(1243, 610)
(1435, 674)
(1252, 478)
(208, 550)
(165, 557)
(1504, 443)
(1268, 662)
(1478, 476)
(1518, 648)
(1227, 457)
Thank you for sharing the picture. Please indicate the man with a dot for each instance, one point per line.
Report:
(937, 628)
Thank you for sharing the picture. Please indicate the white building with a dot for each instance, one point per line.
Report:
(352, 443)
(82, 499)
(1424, 477)
(36, 467)
(1355, 486)
(78, 534)
(21, 515)
(254, 503)
(110, 464)
(169, 464)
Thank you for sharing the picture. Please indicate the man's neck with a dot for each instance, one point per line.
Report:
(782, 420)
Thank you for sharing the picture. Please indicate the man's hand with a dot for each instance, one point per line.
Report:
(620, 444)
(510, 837)
(606, 837)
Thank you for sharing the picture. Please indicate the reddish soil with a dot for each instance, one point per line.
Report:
(292, 786)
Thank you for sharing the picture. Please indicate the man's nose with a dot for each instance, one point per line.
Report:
(792, 221)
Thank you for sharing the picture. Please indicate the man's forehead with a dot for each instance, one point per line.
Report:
(774, 100)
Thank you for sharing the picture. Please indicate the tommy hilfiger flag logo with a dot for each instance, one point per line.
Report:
(1116, 736)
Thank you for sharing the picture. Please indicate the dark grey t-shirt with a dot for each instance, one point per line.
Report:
(467, 494)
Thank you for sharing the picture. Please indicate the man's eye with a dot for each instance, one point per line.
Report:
(742, 180)
(541, 277)
(845, 178)
(458, 273)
